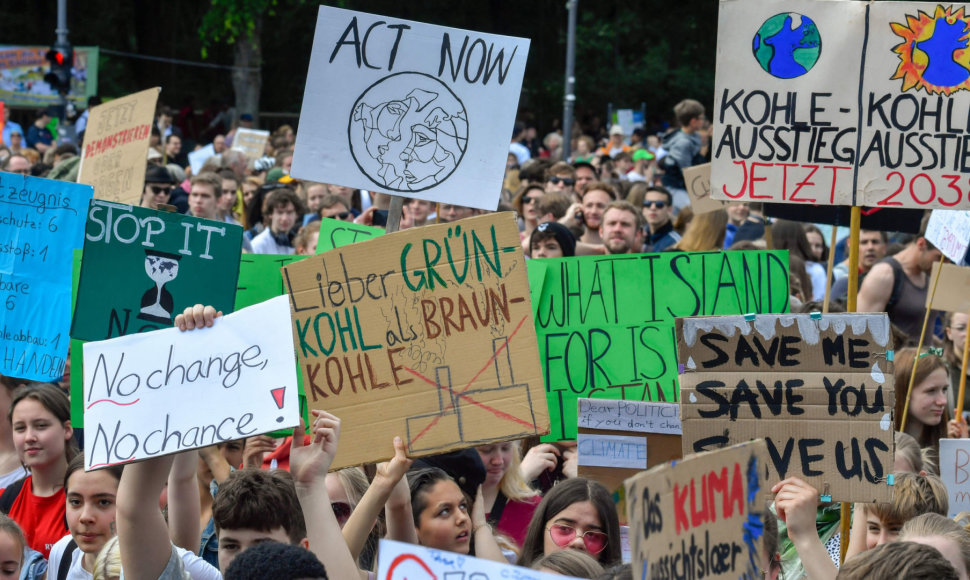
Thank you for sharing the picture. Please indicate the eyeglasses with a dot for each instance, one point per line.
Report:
(656, 204)
(562, 534)
(565, 180)
(339, 216)
(159, 190)
(341, 510)
(528, 199)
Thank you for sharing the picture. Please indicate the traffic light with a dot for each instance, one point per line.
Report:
(61, 58)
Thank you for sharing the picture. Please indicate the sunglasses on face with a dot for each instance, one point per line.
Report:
(562, 534)
(159, 190)
(526, 199)
(656, 204)
(565, 180)
(339, 216)
(341, 510)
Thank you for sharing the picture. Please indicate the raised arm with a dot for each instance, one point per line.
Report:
(142, 533)
(797, 504)
(309, 465)
(183, 502)
(383, 491)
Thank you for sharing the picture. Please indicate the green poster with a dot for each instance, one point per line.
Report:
(337, 233)
(605, 324)
(143, 267)
(75, 359)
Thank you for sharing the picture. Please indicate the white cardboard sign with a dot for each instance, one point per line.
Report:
(955, 473)
(612, 451)
(949, 231)
(410, 108)
(166, 391)
(198, 158)
(638, 416)
(402, 561)
(252, 142)
(842, 103)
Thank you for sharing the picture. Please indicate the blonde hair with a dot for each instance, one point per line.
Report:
(108, 563)
(705, 232)
(908, 449)
(930, 525)
(512, 485)
(913, 495)
(570, 563)
(899, 560)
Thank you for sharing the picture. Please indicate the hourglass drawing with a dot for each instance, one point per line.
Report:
(157, 302)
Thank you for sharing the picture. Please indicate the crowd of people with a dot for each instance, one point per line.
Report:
(269, 508)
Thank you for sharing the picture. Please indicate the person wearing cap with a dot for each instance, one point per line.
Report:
(616, 145)
(39, 136)
(658, 210)
(642, 167)
(552, 240)
(158, 187)
(9, 127)
(15, 140)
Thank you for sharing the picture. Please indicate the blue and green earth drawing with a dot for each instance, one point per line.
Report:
(787, 45)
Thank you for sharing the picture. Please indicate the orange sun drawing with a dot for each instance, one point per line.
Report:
(934, 53)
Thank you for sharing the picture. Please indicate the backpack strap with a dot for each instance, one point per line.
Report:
(10, 494)
(65, 564)
(497, 508)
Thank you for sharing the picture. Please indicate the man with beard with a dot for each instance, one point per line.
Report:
(622, 228)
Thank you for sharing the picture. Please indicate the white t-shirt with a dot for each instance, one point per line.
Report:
(17, 474)
(197, 568)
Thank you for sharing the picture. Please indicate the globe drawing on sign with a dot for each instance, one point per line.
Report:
(787, 45)
(408, 132)
(933, 54)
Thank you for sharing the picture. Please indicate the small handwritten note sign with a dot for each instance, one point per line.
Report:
(612, 451)
(955, 473)
(425, 333)
(697, 178)
(163, 392)
(402, 561)
(701, 513)
(43, 223)
(116, 147)
(640, 416)
(252, 142)
(155, 264)
(817, 387)
(949, 230)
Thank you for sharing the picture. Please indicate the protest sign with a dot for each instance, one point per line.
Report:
(43, 224)
(698, 181)
(817, 387)
(155, 264)
(22, 86)
(949, 231)
(412, 109)
(116, 147)
(882, 219)
(252, 142)
(338, 233)
(261, 278)
(403, 561)
(198, 158)
(952, 289)
(426, 333)
(606, 323)
(702, 513)
(163, 392)
(612, 423)
(955, 473)
(797, 121)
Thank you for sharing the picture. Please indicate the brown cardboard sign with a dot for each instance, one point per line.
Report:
(698, 181)
(252, 142)
(818, 388)
(116, 147)
(426, 334)
(952, 290)
(700, 514)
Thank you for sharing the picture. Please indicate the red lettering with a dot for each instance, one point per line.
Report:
(803, 183)
(680, 514)
(744, 172)
(754, 179)
(699, 517)
(784, 179)
(737, 493)
(716, 483)
(952, 184)
(835, 177)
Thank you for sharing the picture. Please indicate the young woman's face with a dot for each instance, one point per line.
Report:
(91, 508)
(11, 557)
(582, 517)
(444, 524)
(817, 245)
(38, 435)
(929, 398)
(957, 332)
(497, 459)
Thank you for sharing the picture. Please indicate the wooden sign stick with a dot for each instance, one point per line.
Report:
(919, 347)
(855, 224)
(963, 378)
(828, 270)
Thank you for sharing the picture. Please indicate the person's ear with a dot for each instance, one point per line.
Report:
(69, 431)
(305, 543)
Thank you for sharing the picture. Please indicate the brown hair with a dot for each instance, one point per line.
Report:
(572, 563)
(688, 110)
(600, 186)
(929, 525)
(54, 400)
(517, 199)
(253, 499)
(926, 365)
(623, 205)
(705, 232)
(913, 495)
(209, 178)
(899, 560)
(555, 203)
(560, 169)
(280, 197)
